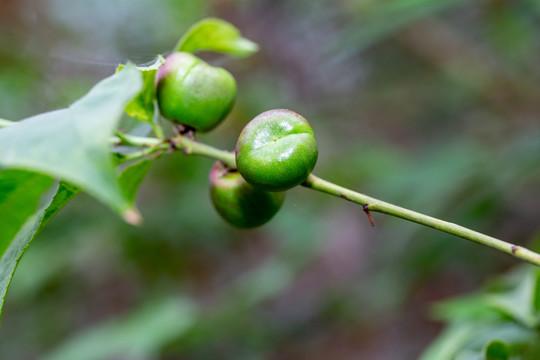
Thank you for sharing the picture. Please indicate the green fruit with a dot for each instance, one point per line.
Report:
(238, 202)
(193, 93)
(276, 150)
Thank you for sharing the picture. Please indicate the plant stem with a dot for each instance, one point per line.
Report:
(191, 147)
(188, 146)
(4, 123)
(125, 139)
(371, 204)
(147, 152)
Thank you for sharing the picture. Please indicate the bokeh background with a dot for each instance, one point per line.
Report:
(430, 104)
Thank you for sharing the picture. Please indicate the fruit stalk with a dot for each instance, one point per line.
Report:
(192, 147)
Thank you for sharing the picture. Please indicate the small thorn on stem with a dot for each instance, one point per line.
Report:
(366, 210)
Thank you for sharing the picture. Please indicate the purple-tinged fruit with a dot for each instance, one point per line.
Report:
(239, 203)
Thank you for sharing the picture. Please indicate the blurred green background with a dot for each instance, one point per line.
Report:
(430, 104)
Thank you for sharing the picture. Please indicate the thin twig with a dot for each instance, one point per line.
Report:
(192, 147)
(316, 183)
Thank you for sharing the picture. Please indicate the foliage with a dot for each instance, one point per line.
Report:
(216, 35)
(500, 323)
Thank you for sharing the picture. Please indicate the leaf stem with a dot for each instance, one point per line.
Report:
(125, 139)
(158, 130)
(156, 124)
(371, 204)
(145, 153)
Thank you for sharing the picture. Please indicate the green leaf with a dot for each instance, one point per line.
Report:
(16, 248)
(496, 350)
(500, 323)
(450, 342)
(216, 35)
(20, 192)
(462, 340)
(519, 303)
(467, 308)
(132, 177)
(138, 335)
(73, 143)
(142, 107)
(64, 194)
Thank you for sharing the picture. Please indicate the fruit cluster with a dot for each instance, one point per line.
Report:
(276, 151)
